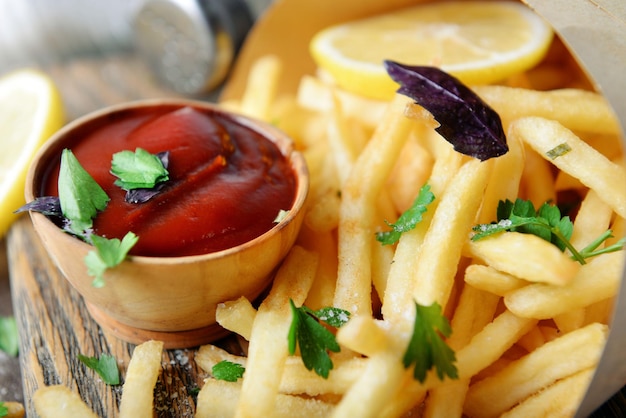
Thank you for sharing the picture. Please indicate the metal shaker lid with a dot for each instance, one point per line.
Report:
(191, 44)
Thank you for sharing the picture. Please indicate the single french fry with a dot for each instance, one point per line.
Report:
(141, 376)
(268, 352)
(527, 257)
(561, 399)
(324, 244)
(370, 394)
(491, 280)
(577, 109)
(314, 94)
(58, 401)
(209, 355)
(570, 320)
(363, 334)
(453, 218)
(537, 181)
(353, 291)
(410, 172)
(597, 280)
(261, 87)
(297, 380)
(505, 179)
(236, 316)
(571, 353)
(592, 219)
(581, 161)
(218, 398)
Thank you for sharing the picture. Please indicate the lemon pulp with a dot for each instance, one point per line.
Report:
(30, 111)
(480, 42)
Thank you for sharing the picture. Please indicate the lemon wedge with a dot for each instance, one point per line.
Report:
(479, 42)
(30, 111)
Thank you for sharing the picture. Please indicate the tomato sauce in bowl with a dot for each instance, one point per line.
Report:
(227, 182)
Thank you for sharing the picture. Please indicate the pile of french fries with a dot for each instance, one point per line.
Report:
(528, 323)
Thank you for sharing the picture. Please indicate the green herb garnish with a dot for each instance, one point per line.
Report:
(559, 151)
(105, 366)
(9, 338)
(138, 170)
(108, 253)
(4, 411)
(314, 339)
(81, 197)
(546, 223)
(409, 218)
(427, 349)
(228, 371)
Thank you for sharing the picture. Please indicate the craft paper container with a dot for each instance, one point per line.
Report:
(172, 299)
(593, 30)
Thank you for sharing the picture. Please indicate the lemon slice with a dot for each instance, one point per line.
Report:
(478, 42)
(30, 111)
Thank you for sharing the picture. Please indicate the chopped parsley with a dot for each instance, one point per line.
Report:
(80, 196)
(313, 338)
(228, 371)
(559, 151)
(105, 366)
(546, 223)
(427, 349)
(138, 170)
(9, 338)
(411, 217)
(108, 253)
(4, 411)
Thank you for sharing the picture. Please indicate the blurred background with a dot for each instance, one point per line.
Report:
(44, 32)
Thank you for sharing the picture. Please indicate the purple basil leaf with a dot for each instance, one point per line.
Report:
(143, 195)
(468, 123)
(47, 205)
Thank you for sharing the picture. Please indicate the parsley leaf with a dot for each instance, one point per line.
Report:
(4, 411)
(411, 217)
(105, 366)
(426, 348)
(138, 170)
(80, 196)
(9, 338)
(314, 339)
(546, 223)
(108, 253)
(228, 371)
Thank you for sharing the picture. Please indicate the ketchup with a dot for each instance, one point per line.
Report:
(227, 183)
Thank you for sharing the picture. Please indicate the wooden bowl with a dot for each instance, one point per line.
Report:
(172, 299)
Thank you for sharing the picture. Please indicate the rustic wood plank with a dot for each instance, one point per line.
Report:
(53, 318)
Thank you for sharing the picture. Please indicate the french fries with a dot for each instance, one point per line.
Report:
(523, 311)
(59, 401)
(141, 376)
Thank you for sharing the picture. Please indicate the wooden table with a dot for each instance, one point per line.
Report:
(53, 321)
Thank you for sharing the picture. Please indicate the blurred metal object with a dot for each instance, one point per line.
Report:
(190, 45)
